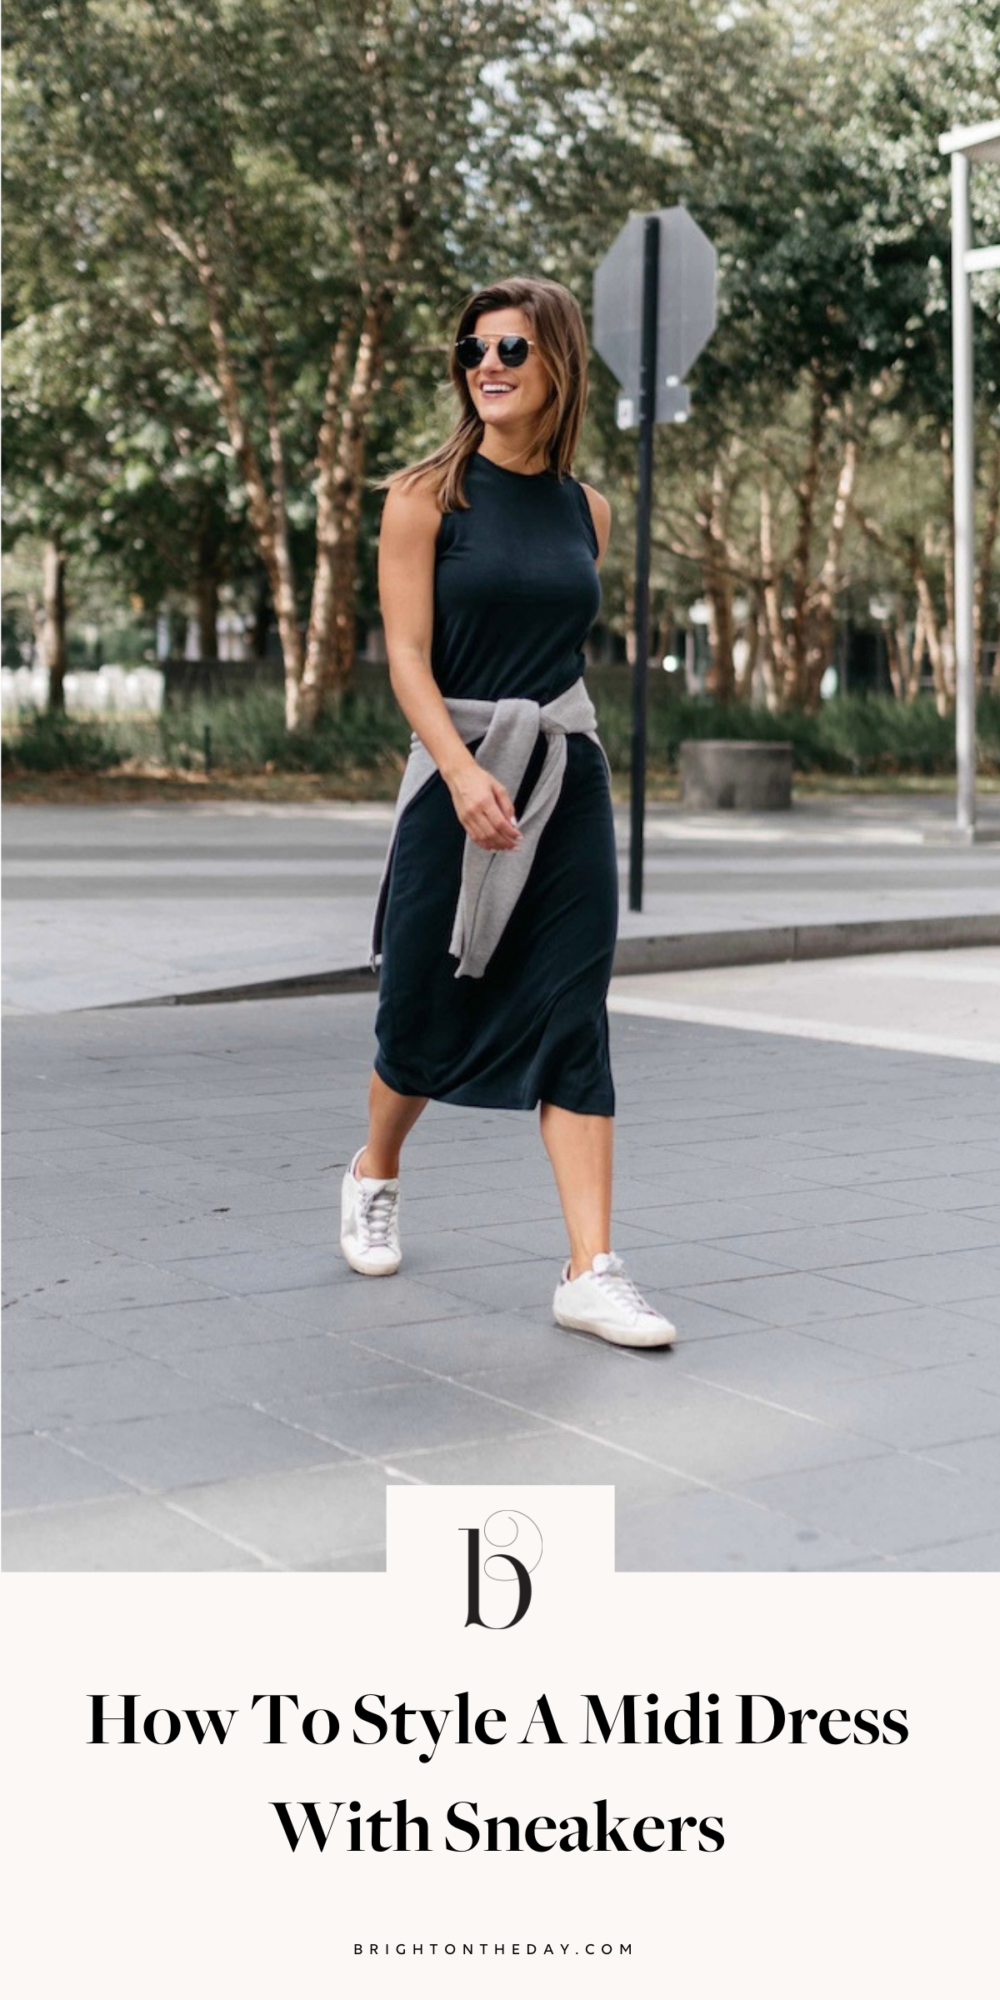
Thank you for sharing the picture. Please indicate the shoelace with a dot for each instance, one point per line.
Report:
(378, 1211)
(615, 1279)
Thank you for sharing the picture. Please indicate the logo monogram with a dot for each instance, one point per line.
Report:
(497, 1531)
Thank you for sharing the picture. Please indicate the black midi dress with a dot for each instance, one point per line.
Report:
(516, 591)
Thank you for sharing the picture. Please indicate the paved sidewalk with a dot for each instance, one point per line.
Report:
(194, 1380)
(116, 904)
(941, 1003)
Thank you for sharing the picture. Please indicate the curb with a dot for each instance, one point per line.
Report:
(694, 951)
(689, 951)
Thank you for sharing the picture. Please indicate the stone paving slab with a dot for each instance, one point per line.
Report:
(979, 1456)
(558, 1455)
(159, 1454)
(981, 1552)
(127, 1533)
(924, 1409)
(193, 1378)
(718, 1531)
(55, 1399)
(38, 1472)
(894, 1503)
(320, 1518)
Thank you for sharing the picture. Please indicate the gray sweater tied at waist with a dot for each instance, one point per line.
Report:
(493, 880)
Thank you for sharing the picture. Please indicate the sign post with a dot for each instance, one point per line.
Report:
(644, 516)
(654, 309)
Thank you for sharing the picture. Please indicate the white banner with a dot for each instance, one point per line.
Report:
(501, 1760)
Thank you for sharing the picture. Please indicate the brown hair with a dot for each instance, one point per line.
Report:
(557, 326)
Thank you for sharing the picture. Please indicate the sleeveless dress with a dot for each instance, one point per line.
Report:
(516, 591)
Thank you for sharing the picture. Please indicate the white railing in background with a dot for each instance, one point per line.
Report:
(108, 691)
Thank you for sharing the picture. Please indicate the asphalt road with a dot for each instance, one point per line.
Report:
(111, 904)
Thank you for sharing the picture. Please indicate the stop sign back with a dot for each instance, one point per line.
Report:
(685, 316)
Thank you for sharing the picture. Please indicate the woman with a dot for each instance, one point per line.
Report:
(497, 914)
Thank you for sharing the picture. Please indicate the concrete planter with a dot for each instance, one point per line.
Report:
(746, 777)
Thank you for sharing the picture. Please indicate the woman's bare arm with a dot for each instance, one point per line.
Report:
(410, 521)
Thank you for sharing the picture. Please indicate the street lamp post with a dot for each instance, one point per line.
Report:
(967, 144)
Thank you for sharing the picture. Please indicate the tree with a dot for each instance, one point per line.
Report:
(828, 200)
(268, 185)
(261, 217)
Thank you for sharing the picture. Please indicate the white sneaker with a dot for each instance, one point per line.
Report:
(369, 1224)
(604, 1301)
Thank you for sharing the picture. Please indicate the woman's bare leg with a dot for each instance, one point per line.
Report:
(580, 1148)
(390, 1118)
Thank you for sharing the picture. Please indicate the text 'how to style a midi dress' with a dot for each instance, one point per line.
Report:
(516, 591)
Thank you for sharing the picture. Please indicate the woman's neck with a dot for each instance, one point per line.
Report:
(530, 458)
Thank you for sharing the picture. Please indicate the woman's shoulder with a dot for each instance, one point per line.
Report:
(599, 513)
(412, 511)
(414, 494)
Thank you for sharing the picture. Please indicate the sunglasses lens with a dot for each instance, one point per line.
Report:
(513, 350)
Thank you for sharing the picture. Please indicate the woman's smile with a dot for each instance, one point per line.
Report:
(495, 389)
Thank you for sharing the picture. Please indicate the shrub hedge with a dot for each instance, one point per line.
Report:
(853, 735)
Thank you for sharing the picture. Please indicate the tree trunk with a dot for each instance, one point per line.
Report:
(207, 591)
(721, 681)
(947, 631)
(207, 615)
(797, 693)
(932, 632)
(345, 625)
(916, 656)
(984, 572)
(268, 515)
(746, 673)
(822, 598)
(630, 631)
(261, 617)
(322, 606)
(664, 630)
(276, 549)
(904, 653)
(270, 521)
(331, 643)
(897, 641)
(54, 622)
(717, 583)
(779, 663)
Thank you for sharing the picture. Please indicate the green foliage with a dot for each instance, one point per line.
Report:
(364, 732)
(54, 742)
(852, 735)
(234, 172)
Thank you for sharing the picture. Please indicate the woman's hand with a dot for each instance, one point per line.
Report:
(484, 807)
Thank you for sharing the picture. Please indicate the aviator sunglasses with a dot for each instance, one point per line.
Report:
(512, 350)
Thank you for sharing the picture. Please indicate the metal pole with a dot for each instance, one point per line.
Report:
(644, 509)
(964, 461)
